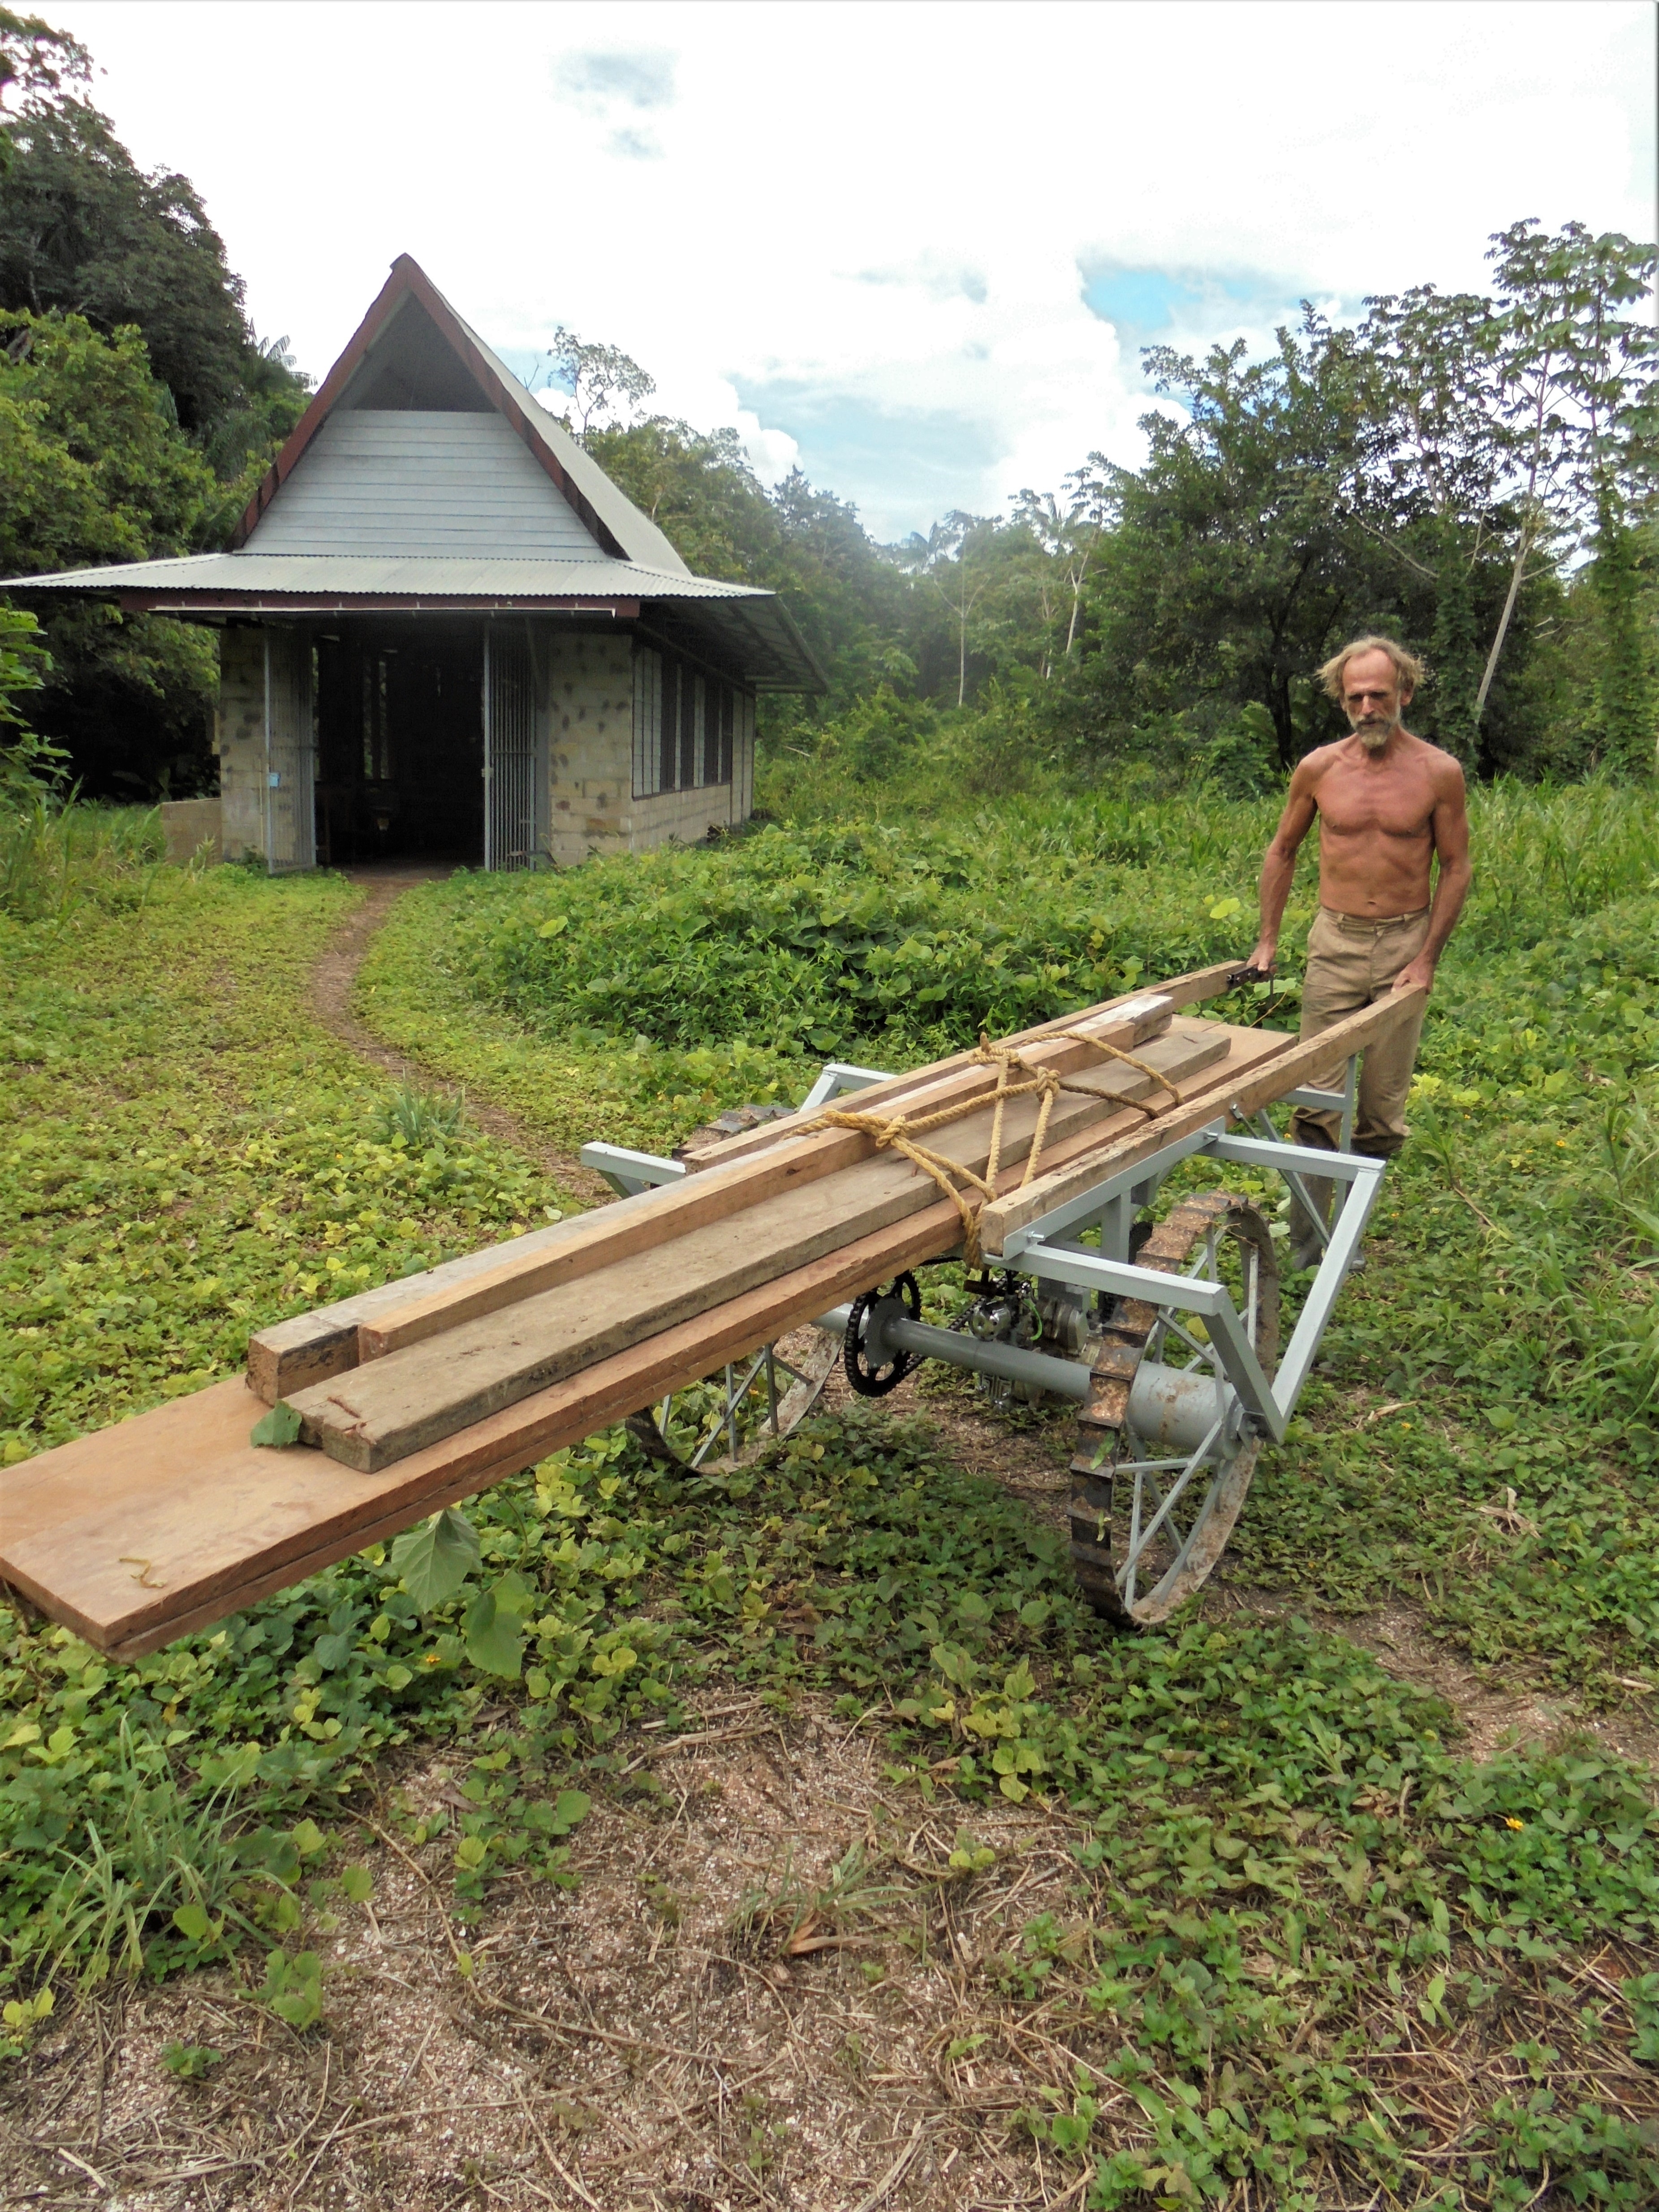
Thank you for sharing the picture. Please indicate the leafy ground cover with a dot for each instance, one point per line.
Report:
(1297, 1916)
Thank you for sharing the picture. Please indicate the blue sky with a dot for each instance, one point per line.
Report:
(914, 248)
(1191, 308)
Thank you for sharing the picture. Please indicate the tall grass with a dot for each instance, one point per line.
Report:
(160, 1864)
(55, 856)
(1544, 855)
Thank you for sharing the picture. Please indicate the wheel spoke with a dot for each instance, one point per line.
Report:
(1168, 1517)
(1187, 1471)
(1204, 1351)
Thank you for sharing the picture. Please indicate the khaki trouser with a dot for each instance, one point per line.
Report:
(1351, 964)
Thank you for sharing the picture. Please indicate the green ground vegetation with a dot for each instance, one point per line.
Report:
(1294, 1869)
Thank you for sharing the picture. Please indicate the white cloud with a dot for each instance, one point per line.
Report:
(772, 454)
(868, 229)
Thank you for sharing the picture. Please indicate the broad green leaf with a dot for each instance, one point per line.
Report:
(436, 1557)
(358, 1883)
(191, 1921)
(191, 2062)
(294, 1988)
(569, 1807)
(494, 1637)
(280, 1425)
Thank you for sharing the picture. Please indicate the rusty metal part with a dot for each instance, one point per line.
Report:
(1100, 1511)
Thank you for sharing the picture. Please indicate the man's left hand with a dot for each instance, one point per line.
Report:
(1416, 975)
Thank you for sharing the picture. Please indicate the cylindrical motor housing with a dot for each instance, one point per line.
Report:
(1172, 1408)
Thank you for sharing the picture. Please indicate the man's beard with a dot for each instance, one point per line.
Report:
(1375, 735)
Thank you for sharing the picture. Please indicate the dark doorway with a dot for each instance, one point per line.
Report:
(399, 744)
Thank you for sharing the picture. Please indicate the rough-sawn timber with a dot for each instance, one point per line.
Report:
(391, 1406)
(171, 1519)
(1298, 1064)
(174, 1519)
(294, 1355)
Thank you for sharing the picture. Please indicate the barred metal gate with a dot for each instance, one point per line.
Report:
(290, 755)
(510, 750)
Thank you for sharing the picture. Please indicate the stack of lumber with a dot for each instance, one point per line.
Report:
(426, 1391)
(451, 1356)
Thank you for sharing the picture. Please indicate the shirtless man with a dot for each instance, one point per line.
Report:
(1387, 803)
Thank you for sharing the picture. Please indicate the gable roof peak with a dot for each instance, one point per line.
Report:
(410, 347)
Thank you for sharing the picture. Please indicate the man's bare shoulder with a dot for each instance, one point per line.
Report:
(1314, 767)
(1445, 767)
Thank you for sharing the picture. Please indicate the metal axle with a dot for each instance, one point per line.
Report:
(1168, 1406)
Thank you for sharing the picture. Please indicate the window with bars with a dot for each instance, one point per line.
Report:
(684, 725)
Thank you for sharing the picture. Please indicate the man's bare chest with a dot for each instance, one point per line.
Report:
(1355, 804)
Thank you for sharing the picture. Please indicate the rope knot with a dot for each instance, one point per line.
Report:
(954, 1178)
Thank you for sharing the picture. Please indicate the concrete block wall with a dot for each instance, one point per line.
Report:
(592, 807)
(590, 753)
(590, 744)
(240, 742)
(192, 826)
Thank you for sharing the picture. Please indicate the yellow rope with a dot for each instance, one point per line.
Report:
(954, 1178)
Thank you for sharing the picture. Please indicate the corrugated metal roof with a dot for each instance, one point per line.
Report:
(299, 505)
(636, 532)
(605, 510)
(311, 575)
(410, 481)
(737, 622)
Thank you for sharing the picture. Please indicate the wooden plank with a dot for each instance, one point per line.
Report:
(310, 1347)
(596, 1240)
(1183, 991)
(1285, 1071)
(172, 1520)
(413, 1396)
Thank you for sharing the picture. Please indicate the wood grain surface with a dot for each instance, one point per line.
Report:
(1288, 1069)
(172, 1520)
(417, 1393)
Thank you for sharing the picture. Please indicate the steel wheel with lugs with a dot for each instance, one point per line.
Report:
(1150, 1519)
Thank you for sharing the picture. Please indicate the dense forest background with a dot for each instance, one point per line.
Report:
(1473, 473)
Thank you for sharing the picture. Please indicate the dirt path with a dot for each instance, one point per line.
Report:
(332, 983)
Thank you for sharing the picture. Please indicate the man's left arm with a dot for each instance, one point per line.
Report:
(1450, 827)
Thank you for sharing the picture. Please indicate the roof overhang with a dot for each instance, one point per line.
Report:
(747, 633)
(218, 604)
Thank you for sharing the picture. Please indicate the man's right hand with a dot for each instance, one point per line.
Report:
(1263, 957)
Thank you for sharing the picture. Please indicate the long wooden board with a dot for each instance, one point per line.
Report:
(1289, 1070)
(581, 1248)
(291, 1355)
(171, 1521)
(898, 1089)
(420, 1392)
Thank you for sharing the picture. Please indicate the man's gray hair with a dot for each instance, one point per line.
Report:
(1409, 670)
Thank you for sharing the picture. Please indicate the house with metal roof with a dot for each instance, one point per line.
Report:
(445, 632)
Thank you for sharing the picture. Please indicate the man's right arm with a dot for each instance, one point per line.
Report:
(1278, 863)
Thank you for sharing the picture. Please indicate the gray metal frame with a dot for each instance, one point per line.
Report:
(839, 1075)
(629, 1173)
(1047, 1249)
(1050, 1250)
